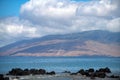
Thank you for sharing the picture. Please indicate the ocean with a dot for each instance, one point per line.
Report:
(58, 64)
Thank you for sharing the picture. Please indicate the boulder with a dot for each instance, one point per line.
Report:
(51, 73)
(81, 71)
(91, 70)
(6, 78)
(100, 74)
(73, 73)
(66, 72)
(16, 71)
(1, 77)
(113, 76)
(34, 71)
(105, 70)
(42, 71)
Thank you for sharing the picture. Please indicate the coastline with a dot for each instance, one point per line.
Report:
(42, 74)
(62, 76)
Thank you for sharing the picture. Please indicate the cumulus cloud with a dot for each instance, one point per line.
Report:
(13, 27)
(49, 13)
(69, 16)
(114, 25)
(105, 8)
(44, 17)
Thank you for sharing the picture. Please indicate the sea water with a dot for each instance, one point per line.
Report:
(58, 64)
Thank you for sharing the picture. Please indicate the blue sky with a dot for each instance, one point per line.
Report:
(10, 7)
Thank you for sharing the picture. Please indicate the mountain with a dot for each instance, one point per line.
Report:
(75, 44)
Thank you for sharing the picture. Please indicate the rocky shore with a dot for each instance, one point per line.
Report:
(42, 74)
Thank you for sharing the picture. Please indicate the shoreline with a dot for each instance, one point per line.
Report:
(63, 76)
(42, 74)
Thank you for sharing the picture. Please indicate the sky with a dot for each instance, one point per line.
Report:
(10, 7)
(23, 19)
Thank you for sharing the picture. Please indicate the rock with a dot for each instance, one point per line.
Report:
(105, 70)
(6, 78)
(100, 74)
(20, 72)
(81, 71)
(16, 71)
(73, 73)
(113, 76)
(42, 71)
(86, 73)
(92, 77)
(1, 77)
(91, 70)
(26, 72)
(51, 73)
(66, 72)
(34, 71)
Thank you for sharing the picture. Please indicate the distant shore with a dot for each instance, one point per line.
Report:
(42, 74)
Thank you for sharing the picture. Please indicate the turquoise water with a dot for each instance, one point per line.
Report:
(58, 64)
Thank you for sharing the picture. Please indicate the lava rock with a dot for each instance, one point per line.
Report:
(51, 73)
(105, 70)
(1, 77)
(113, 76)
(100, 74)
(91, 70)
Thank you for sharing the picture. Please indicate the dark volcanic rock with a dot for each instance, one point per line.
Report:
(105, 70)
(84, 72)
(36, 71)
(16, 71)
(66, 72)
(6, 78)
(100, 74)
(1, 77)
(51, 73)
(73, 74)
(20, 72)
(91, 70)
(26, 72)
(113, 76)
(81, 71)
(42, 71)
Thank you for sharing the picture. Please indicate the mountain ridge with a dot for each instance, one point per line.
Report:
(77, 43)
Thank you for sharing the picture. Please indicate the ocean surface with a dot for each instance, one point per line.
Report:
(58, 64)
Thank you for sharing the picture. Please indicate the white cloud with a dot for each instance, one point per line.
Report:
(105, 8)
(68, 16)
(15, 27)
(114, 25)
(45, 17)
(49, 8)
(51, 13)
